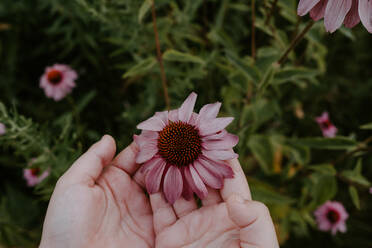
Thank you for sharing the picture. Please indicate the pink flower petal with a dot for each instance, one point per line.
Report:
(153, 178)
(330, 132)
(173, 115)
(219, 168)
(187, 192)
(209, 111)
(155, 161)
(228, 142)
(214, 126)
(173, 184)
(318, 11)
(305, 6)
(195, 182)
(352, 18)
(216, 136)
(323, 118)
(220, 155)
(212, 180)
(152, 124)
(365, 13)
(145, 137)
(335, 14)
(146, 152)
(187, 107)
(163, 116)
(2, 129)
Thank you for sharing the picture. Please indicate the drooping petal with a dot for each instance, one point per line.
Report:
(228, 142)
(220, 155)
(214, 126)
(153, 178)
(187, 107)
(152, 124)
(335, 14)
(195, 182)
(352, 18)
(218, 168)
(187, 192)
(173, 184)
(209, 111)
(151, 164)
(304, 6)
(318, 11)
(146, 152)
(212, 180)
(365, 13)
(216, 136)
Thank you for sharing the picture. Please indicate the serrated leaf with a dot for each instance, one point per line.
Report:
(337, 143)
(354, 196)
(141, 67)
(145, 7)
(174, 55)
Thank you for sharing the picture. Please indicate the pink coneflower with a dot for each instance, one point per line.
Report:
(328, 129)
(331, 216)
(183, 151)
(336, 12)
(34, 176)
(2, 129)
(58, 81)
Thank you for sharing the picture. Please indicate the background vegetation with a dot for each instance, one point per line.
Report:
(208, 48)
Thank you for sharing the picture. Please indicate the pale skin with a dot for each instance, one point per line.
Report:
(100, 202)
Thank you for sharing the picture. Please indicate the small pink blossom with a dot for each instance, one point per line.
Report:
(331, 216)
(58, 81)
(370, 190)
(328, 129)
(2, 129)
(336, 12)
(34, 176)
(184, 152)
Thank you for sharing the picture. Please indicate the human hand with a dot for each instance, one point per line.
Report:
(228, 219)
(97, 204)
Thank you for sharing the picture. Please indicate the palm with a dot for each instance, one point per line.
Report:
(208, 226)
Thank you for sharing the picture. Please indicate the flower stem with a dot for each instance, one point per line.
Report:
(272, 11)
(294, 42)
(160, 57)
(253, 41)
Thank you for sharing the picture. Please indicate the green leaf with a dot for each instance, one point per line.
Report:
(355, 177)
(323, 168)
(354, 196)
(140, 68)
(269, 196)
(366, 126)
(262, 150)
(250, 72)
(325, 188)
(145, 7)
(337, 143)
(292, 74)
(267, 79)
(173, 55)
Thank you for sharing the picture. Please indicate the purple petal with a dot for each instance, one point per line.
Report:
(153, 178)
(305, 6)
(173, 184)
(187, 107)
(195, 182)
(318, 11)
(218, 168)
(220, 155)
(214, 126)
(352, 17)
(146, 152)
(152, 124)
(365, 13)
(187, 192)
(209, 111)
(335, 13)
(212, 180)
(151, 164)
(228, 142)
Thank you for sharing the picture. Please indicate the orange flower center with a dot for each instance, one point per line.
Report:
(54, 76)
(179, 143)
(333, 216)
(35, 171)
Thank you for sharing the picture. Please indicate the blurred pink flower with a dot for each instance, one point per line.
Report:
(183, 151)
(34, 176)
(2, 129)
(329, 130)
(336, 12)
(58, 81)
(370, 190)
(331, 216)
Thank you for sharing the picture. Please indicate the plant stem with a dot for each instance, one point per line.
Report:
(253, 41)
(160, 57)
(272, 10)
(294, 42)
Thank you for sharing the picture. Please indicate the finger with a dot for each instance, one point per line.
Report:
(126, 159)
(183, 207)
(253, 218)
(237, 185)
(163, 213)
(213, 197)
(139, 178)
(89, 166)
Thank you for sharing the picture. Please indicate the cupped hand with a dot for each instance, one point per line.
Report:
(97, 204)
(228, 219)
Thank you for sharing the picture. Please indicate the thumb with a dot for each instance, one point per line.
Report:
(253, 218)
(89, 166)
